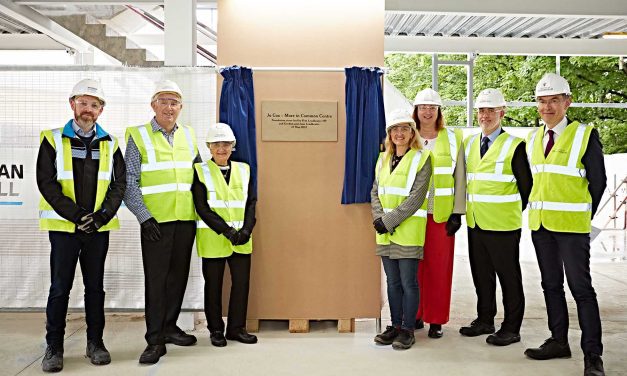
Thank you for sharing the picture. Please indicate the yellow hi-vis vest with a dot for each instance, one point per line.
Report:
(166, 172)
(229, 202)
(493, 201)
(444, 159)
(559, 199)
(49, 220)
(394, 188)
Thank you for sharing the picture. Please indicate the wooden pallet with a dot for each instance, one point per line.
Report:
(302, 325)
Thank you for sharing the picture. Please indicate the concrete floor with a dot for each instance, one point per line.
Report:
(325, 352)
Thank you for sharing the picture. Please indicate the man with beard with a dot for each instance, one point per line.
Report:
(82, 177)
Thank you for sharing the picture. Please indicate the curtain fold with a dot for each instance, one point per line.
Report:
(237, 109)
(365, 131)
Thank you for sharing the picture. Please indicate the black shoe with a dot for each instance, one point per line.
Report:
(593, 365)
(388, 336)
(435, 331)
(152, 353)
(476, 328)
(180, 339)
(98, 353)
(241, 335)
(53, 359)
(502, 338)
(550, 349)
(404, 340)
(217, 339)
(420, 324)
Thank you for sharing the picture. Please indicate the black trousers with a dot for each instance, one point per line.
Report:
(67, 250)
(213, 272)
(492, 254)
(166, 269)
(560, 252)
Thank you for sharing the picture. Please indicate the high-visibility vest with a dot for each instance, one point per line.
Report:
(493, 201)
(50, 220)
(559, 199)
(444, 159)
(394, 188)
(166, 172)
(229, 202)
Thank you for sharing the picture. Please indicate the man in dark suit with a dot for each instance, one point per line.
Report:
(568, 182)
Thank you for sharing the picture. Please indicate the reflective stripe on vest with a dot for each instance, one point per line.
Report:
(559, 199)
(226, 200)
(411, 232)
(493, 201)
(49, 219)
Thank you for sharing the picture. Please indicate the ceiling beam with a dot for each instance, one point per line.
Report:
(507, 46)
(107, 2)
(28, 42)
(573, 8)
(28, 16)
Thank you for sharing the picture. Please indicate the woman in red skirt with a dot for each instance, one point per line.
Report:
(447, 202)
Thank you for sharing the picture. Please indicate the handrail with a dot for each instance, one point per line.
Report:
(614, 195)
(161, 26)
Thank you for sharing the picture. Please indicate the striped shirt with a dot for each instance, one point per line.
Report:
(133, 196)
(391, 220)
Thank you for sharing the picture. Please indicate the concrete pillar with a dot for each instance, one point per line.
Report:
(180, 33)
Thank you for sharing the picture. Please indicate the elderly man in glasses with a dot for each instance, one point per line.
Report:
(498, 182)
(160, 157)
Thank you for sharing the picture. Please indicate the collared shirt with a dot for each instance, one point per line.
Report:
(79, 131)
(557, 131)
(492, 136)
(133, 197)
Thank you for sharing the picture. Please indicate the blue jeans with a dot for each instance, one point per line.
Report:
(403, 293)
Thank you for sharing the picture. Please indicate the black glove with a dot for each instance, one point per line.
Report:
(232, 235)
(92, 222)
(380, 226)
(243, 236)
(453, 224)
(150, 229)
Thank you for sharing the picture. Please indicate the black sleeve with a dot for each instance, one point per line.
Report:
(50, 188)
(595, 169)
(522, 173)
(249, 213)
(117, 187)
(211, 218)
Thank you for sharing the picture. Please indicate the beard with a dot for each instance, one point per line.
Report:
(85, 118)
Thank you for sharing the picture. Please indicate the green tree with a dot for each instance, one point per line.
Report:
(592, 80)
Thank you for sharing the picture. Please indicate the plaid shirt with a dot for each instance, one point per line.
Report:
(133, 196)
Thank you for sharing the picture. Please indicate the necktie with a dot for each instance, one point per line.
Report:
(484, 146)
(549, 144)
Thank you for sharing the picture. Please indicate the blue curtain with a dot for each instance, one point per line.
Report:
(365, 131)
(237, 109)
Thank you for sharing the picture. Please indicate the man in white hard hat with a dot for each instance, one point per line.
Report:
(225, 202)
(566, 160)
(159, 160)
(498, 186)
(82, 178)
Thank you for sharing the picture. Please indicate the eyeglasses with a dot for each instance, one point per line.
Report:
(220, 144)
(401, 129)
(423, 107)
(488, 110)
(96, 106)
(168, 102)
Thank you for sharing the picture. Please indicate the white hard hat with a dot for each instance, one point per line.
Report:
(428, 96)
(490, 98)
(88, 86)
(398, 117)
(167, 86)
(220, 132)
(552, 84)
